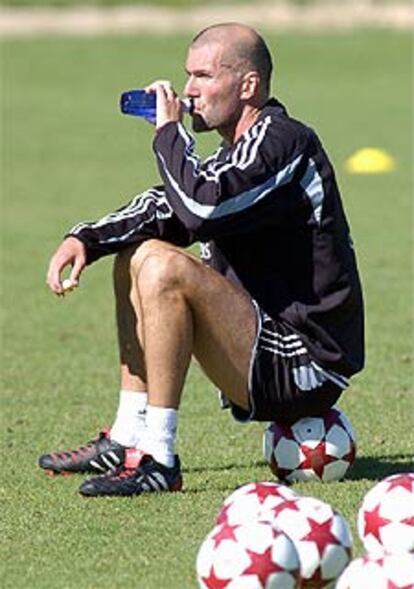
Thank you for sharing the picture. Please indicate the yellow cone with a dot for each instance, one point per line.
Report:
(370, 160)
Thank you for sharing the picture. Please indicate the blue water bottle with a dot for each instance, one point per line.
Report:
(139, 103)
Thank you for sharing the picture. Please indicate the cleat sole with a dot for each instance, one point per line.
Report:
(56, 473)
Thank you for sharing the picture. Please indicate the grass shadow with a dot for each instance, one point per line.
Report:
(378, 467)
(238, 475)
(224, 467)
(365, 467)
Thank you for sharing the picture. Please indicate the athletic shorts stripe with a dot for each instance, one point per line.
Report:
(285, 382)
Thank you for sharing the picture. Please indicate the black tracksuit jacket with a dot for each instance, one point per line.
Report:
(268, 214)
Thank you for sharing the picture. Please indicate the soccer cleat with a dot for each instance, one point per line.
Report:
(148, 476)
(99, 455)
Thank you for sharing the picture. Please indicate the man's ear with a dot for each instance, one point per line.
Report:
(250, 85)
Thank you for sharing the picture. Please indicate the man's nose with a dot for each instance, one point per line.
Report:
(190, 88)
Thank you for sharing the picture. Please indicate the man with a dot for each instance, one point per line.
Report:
(274, 315)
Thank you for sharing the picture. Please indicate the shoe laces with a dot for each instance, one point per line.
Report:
(83, 449)
(123, 473)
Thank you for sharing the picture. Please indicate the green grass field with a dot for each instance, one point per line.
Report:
(68, 155)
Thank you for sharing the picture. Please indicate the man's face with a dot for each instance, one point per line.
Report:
(214, 84)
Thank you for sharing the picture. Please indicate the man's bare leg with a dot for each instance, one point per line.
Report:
(129, 326)
(129, 425)
(188, 308)
(182, 308)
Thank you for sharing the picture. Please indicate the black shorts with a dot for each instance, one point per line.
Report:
(286, 384)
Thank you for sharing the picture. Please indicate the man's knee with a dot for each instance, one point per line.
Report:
(163, 268)
(129, 260)
(154, 264)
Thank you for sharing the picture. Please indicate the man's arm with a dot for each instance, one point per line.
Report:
(231, 195)
(243, 191)
(147, 216)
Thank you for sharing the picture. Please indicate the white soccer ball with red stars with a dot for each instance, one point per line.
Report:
(248, 556)
(253, 501)
(313, 448)
(386, 516)
(322, 539)
(389, 571)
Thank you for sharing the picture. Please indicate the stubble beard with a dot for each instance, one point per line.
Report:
(199, 125)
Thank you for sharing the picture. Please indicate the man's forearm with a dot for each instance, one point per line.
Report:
(147, 216)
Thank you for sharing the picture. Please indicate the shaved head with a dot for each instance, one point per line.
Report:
(243, 49)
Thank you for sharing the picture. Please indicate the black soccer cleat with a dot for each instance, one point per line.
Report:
(149, 476)
(99, 455)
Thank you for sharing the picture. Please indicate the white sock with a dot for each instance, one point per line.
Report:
(129, 426)
(159, 440)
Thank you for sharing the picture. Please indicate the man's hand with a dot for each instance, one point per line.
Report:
(71, 251)
(169, 106)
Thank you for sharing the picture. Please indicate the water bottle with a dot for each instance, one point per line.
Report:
(139, 103)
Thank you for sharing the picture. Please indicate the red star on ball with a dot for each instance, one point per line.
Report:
(316, 458)
(409, 521)
(282, 431)
(222, 516)
(350, 457)
(316, 581)
(374, 522)
(321, 535)
(332, 418)
(262, 492)
(291, 504)
(226, 532)
(213, 582)
(403, 480)
(392, 585)
(262, 565)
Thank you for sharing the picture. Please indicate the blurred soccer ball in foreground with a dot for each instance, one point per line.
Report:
(252, 502)
(386, 516)
(254, 555)
(313, 448)
(321, 537)
(389, 571)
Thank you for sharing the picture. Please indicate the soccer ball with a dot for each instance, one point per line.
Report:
(389, 571)
(248, 556)
(252, 501)
(321, 537)
(386, 516)
(313, 448)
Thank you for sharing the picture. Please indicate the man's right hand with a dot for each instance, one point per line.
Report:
(70, 252)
